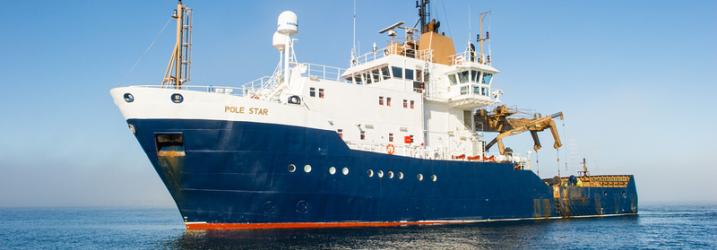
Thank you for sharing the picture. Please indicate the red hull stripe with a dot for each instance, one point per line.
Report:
(290, 225)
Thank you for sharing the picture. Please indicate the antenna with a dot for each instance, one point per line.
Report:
(353, 49)
(392, 27)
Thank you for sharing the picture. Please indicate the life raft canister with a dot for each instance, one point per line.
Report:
(390, 149)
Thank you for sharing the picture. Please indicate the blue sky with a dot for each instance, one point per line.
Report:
(635, 79)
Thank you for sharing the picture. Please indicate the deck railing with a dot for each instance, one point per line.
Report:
(424, 54)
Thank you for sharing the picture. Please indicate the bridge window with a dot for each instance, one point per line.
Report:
(375, 75)
(385, 73)
(487, 77)
(475, 75)
(452, 79)
(367, 77)
(476, 89)
(464, 90)
(397, 72)
(409, 74)
(357, 78)
(312, 92)
(464, 76)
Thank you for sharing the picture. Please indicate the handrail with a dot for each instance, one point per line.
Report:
(319, 71)
(393, 49)
(469, 56)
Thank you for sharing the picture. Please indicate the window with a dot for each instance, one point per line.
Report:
(357, 78)
(476, 89)
(312, 92)
(463, 76)
(390, 137)
(409, 74)
(412, 102)
(475, 75)
(340, 132)
(375, 75)
(388, 101)
(380, 100)
(464, 90)
(452, 79)
(487, 77)
(363, 135)
(367, 77)
(397, 72)
(385, 73)
(405, 103)
(321, 93)
(419, 75)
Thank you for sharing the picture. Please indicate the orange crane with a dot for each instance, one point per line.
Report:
(498, 121)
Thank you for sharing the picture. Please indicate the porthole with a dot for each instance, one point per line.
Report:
(345, 171)
(177, 98)
(419, 177)
(434, 178)
(380, 174)
(307, 168)
(332, 170)
(370, 173)
(292, 168)
(128, 97)
(400, 175)
(390, 174)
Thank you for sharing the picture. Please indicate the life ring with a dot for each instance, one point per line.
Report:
(390, 149)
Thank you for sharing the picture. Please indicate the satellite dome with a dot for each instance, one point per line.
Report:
(280, 41)
(287, 23)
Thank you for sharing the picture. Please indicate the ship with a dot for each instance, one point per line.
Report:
(402, 136)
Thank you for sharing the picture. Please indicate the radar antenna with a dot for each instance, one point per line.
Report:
(178, 69)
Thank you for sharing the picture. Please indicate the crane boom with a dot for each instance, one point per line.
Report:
(499, 121)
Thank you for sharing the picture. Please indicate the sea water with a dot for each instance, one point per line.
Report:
(656, 226)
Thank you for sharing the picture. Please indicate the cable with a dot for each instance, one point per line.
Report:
(149, 47)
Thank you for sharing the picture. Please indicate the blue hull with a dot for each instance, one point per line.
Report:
(238, 172)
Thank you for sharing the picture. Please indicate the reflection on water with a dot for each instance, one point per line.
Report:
(685, 227)
(525, 234)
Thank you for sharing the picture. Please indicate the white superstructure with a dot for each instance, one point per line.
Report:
(415, 97)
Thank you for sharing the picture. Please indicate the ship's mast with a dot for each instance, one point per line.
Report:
(481, 39)
(178, 69)
(424, 14)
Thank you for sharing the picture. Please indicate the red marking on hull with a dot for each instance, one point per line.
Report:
(295, 225)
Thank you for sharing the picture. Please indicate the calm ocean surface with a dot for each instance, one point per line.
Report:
(673, 226)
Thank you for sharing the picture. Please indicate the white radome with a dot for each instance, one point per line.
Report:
(280, 41)
(288, 23)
